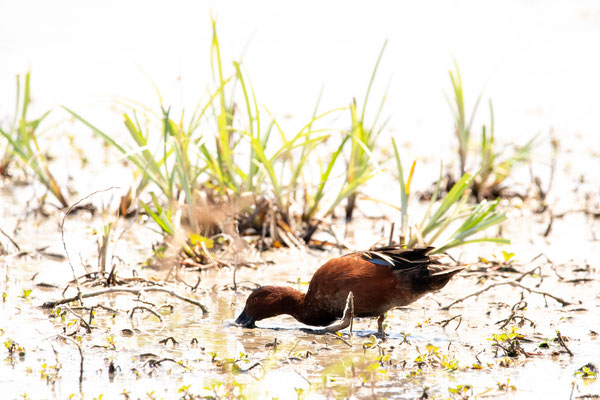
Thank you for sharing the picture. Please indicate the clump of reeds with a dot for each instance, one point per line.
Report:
(229, 164)
(451, 210)
(494, 165)
(22, 142)
(363, 138)
(229, 174)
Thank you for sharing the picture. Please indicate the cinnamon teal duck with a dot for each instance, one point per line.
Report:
(380, 279)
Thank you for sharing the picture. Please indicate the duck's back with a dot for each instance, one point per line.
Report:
(380, 279)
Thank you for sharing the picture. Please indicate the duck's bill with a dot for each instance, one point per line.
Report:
(245, 320)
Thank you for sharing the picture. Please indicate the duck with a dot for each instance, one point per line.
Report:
(379, 279)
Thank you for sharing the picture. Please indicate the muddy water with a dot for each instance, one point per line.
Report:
(278, 359)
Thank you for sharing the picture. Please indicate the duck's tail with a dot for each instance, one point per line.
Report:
(439, 275)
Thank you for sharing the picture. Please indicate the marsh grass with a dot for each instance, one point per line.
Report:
(163, 158)
(23, 143)
(363, 138)
(494, 165)
(462, 121)
(231, 154)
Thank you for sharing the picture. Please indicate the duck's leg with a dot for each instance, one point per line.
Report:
(380, 330)
(347, 318)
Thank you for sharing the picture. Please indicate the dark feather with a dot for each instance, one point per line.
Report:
(398, 258)
(423, 271)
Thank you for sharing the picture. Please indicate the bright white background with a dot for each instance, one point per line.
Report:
(538, 60)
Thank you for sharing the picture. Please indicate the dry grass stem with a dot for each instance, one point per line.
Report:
(511, 283)
(62, 234)
(136, 291)
(561, 341)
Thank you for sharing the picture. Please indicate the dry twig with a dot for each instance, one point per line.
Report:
(136, 291)
(141, 308)
(519, 306)
(511, 283)
(62, 235)
(11, 239)
(87, 326)
(561, 341)
(340, 338)
(445, 322)
(68, 339)
(155, 363)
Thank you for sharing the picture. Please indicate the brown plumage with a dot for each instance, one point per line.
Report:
(380, 279)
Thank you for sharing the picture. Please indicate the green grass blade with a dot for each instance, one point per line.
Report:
(403, 195)
(324, 179)
(158, 219)
(373, 74)
(451, 198)
(462, 243)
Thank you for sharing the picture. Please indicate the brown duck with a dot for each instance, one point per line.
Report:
(380, 279)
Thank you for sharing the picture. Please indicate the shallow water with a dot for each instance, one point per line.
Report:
(537, 60)
(302, 362)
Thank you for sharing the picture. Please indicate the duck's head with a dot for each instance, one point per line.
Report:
(265, 302)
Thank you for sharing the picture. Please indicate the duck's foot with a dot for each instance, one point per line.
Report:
(380, 331)
(346, 318)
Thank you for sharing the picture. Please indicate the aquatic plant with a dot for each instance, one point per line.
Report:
(22, 142)
(588, 373)
(453, 208)
(250, 170)
(494, 165)
(508, 342)
(363, 137)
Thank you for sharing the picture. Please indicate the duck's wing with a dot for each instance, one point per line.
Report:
(424, 272)
(398, 258)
